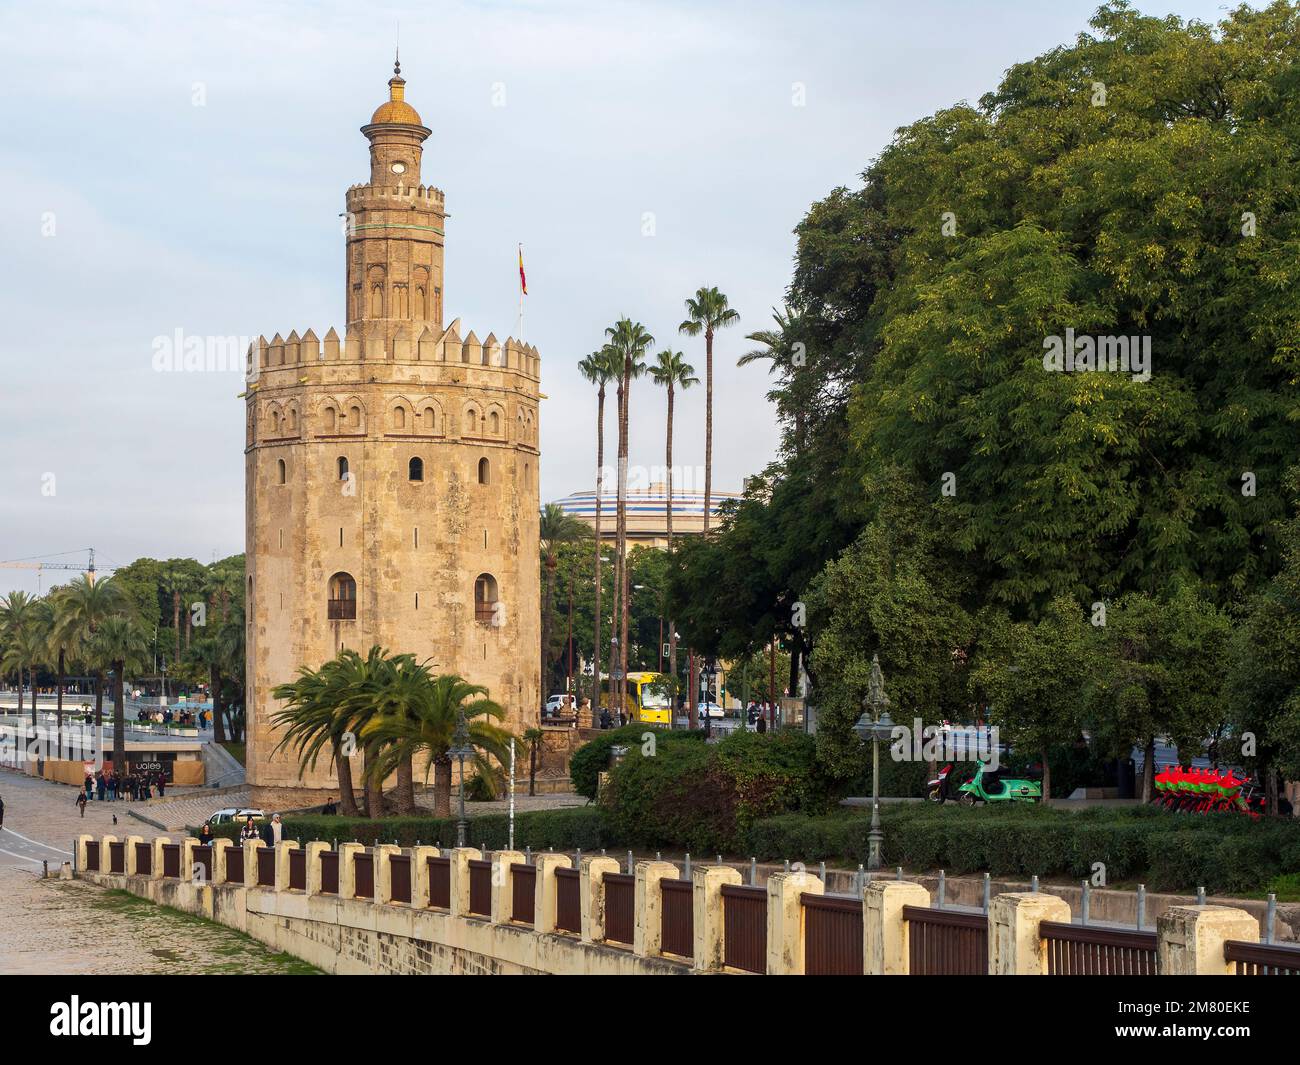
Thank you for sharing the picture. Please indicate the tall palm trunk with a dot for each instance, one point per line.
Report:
(176, 624)
(99, 702)
(347, 798)
(58, 704)
(672, 625)
(442, 786)
(31, 675)
(404, 796)
(624, 582)
(374, 789)
(1148, 769)
(708, 425)
(119, 718)
(600, 486)
(218, 725)
(20, 693)
(1047, 776)
(620, 516)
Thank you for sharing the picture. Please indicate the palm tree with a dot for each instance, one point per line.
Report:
(26, 648)
(629, 342)
(18, 612)
(121, 644)
(599, 368)
(555, 527)
(82, 606)
(430, 726)
(311, 720)
(706, 312)
(778, 345)
(672, 371)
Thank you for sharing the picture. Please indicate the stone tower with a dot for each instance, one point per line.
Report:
(390, 475)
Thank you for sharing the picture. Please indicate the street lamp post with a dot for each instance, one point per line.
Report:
(875, 725)
(461, 749)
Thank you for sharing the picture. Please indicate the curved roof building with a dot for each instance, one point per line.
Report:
(647, 512)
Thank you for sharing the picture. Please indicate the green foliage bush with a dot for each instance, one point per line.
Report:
(592, 758)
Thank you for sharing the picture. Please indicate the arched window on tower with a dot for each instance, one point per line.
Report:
(415, 470)
(484, 471)
(342, 598)
(343, 467)
(280, 471)
(376, 301)
(485, 599)
(494, 423)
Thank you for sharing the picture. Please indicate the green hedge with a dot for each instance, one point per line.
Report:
(564, 829)
(592, 758)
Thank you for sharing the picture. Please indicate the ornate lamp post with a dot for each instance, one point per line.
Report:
(461, 749)
(875, 725)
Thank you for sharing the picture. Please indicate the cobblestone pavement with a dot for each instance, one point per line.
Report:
(69, 926)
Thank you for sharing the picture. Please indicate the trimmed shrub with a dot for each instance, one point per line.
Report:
(592, 758)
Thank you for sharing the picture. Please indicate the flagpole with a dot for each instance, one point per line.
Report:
(521, 296)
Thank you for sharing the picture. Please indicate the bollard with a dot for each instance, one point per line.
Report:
(787, 865)
(1033, 884)
(900, 873)
(687, 874)
(630, 867)
(753, 872)
(719, 861)
(943, 888)
(859, 882)
(986, 892)
(528, 856)
(1270, 917)
(1200, 896)
(1142, 906)
(822, 872)
(658, 857)
(1086, 907)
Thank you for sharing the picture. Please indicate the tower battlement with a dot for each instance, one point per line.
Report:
(384, 195)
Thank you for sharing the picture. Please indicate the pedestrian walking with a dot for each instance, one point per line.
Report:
(81, 802)
(2, 813)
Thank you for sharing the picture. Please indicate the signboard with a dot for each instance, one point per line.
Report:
(151, 766)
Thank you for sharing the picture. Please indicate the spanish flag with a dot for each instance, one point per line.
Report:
(523, 280)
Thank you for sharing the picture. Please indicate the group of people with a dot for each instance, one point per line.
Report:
(168, 716)
(112, 786)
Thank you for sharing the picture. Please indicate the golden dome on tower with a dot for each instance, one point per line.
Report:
(396, 111)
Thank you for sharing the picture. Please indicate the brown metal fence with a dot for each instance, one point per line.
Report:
(117, 857)
(620, 907)
(947, 942)
(1262, 959)
(329, 872)
(523, 883)
(480, 887)
(678, 911)
(744, 928)
(92, 857)
(1095, 950)
(144, 859)
(568, 910)
(171, 859)
(832, 935)
(235, 865)
(265, 867)
(363, 875)
(298, 870)
(399, 877)
(440, 882)
(202, 856)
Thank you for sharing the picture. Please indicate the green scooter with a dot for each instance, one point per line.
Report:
(989, 785)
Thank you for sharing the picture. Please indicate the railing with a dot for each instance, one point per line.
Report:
(523, 879)
(171, 859)
(265, 867)
(297, 870)
(440, 882)
(363, 875)
(620, 907)
(234, 865)
(947, 942)
(342, 610)
(1095, 950)
(117, 857)
(329, 872)
(744, 928)
(144, 859)
(203, 860)
(568, 909)
(832, 935)
(678, 914)
(1262, 959)
(480, 887)
(399, 878)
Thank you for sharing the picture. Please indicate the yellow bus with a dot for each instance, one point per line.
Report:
(649, 697)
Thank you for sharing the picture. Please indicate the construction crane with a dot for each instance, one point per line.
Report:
(34, 563)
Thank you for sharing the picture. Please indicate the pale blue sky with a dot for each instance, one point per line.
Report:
(223, 219)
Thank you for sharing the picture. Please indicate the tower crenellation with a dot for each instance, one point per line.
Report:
(391, 471)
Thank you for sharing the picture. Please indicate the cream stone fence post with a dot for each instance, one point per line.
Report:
(710, 926)
(1016, 943)
(82, 840)
(460, 859)
(886, 934)
(251, 847)
(648, 907)
(348, 869)
(591, 895)
(131, 841)
(156, 864)
(420, 875)
(219, 848)
(187, 859)
(1190, 939)
(282, 852)
(785, 925)
(384, 872)
(106, 854)
(545, 893)
(503, 885)
(313, 851)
